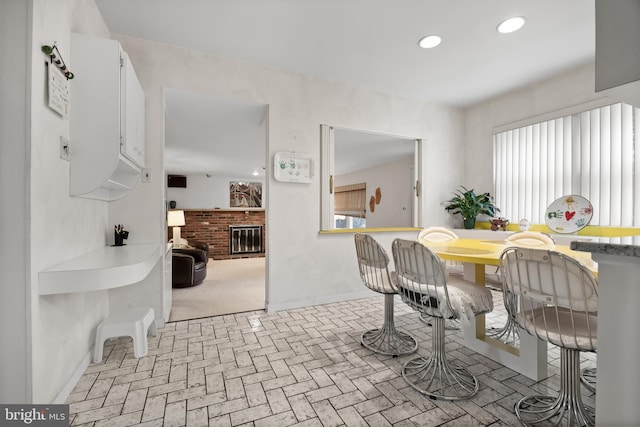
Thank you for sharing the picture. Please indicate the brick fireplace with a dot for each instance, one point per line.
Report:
(213, 225)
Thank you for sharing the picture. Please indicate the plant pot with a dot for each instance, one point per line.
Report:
(469, 223)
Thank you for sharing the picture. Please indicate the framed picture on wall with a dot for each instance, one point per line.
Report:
(244, 194)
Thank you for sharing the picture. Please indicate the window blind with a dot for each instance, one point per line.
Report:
(591, 154)
(350, 200)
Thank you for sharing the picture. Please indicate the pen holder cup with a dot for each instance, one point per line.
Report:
(118, 238)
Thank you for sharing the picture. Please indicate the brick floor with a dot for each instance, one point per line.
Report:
(302, 367)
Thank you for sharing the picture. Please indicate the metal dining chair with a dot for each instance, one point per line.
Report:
(558, 303)
(373, 264)
(588, 378)
(442, 234)
(509, 332)
(424, 286)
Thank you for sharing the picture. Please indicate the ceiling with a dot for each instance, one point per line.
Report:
(215, 136)
(368, 43)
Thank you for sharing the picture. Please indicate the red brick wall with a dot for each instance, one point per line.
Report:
(212, 226)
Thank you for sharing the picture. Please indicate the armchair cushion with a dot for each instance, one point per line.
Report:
(198, 254)
(200, 245)
(189, 267)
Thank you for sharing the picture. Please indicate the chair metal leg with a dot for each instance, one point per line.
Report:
(449, 324)
(435, 376)
(588, 378)
(509, 333)
(387, 339)
(566, 408)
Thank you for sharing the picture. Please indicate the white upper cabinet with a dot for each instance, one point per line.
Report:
(617, 60)
(107, 120)
(132, 115)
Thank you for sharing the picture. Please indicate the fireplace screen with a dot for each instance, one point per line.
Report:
(245, 239)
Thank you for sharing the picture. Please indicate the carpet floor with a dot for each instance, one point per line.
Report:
(231, 286)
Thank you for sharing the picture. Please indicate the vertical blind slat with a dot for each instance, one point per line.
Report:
(585, 153)
(559, 160)
(535, 171)
(615, 165)
(522, 171)
(626, 155)
(605, 169)
(537, 216)
(595, 165)
(636, 175)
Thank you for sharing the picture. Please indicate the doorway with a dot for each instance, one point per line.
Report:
(216, 143)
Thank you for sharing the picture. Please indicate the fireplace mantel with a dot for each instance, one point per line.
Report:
(226, 210)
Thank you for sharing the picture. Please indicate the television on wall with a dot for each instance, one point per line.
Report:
(179, 181)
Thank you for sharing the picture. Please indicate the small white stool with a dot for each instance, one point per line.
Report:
(132, 322)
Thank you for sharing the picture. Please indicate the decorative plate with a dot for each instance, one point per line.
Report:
(568, 214)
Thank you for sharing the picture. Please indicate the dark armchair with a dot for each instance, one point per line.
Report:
(189, 264)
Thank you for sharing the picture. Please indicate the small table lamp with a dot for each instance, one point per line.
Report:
(175, 219)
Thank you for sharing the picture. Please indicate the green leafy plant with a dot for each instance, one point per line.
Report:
(469, 204)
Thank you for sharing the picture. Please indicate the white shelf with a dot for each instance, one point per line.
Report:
(106, 268)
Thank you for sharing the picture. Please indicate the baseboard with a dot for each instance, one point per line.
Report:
(73, 380)
(271, 307)
(160, 322)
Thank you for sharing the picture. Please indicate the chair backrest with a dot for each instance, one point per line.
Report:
(437, 234)
(421, 279)
(556, 294)
(373, 264)
(531, 239)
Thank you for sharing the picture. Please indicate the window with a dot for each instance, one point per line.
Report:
(591, 154)
(355, 162)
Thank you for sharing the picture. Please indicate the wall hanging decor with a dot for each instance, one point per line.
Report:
(56, 59)
(568, 214)
(292, 167)
(245, 194)
(57, 81)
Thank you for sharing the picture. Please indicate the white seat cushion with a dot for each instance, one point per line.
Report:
(559, 326)
(468, 299)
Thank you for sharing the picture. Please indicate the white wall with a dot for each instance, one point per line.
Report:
(206, 193)
(15, 335)
(62, 227)
(565, 91)
(396, 185)
(303, 266)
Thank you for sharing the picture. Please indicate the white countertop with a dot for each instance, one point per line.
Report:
(105, 268)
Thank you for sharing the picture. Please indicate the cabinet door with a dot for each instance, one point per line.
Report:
(132, 119)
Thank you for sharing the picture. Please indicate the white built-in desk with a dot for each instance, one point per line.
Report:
(106, 268)
(618, 370)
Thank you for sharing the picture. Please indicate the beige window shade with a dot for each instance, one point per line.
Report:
(351, 200)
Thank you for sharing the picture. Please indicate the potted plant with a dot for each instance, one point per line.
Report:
(469, 204)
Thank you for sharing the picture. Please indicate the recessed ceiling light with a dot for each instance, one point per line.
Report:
(427, 42)
(255, 173)
(510, 25)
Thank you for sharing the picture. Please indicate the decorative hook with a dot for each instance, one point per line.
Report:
(56, 58)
